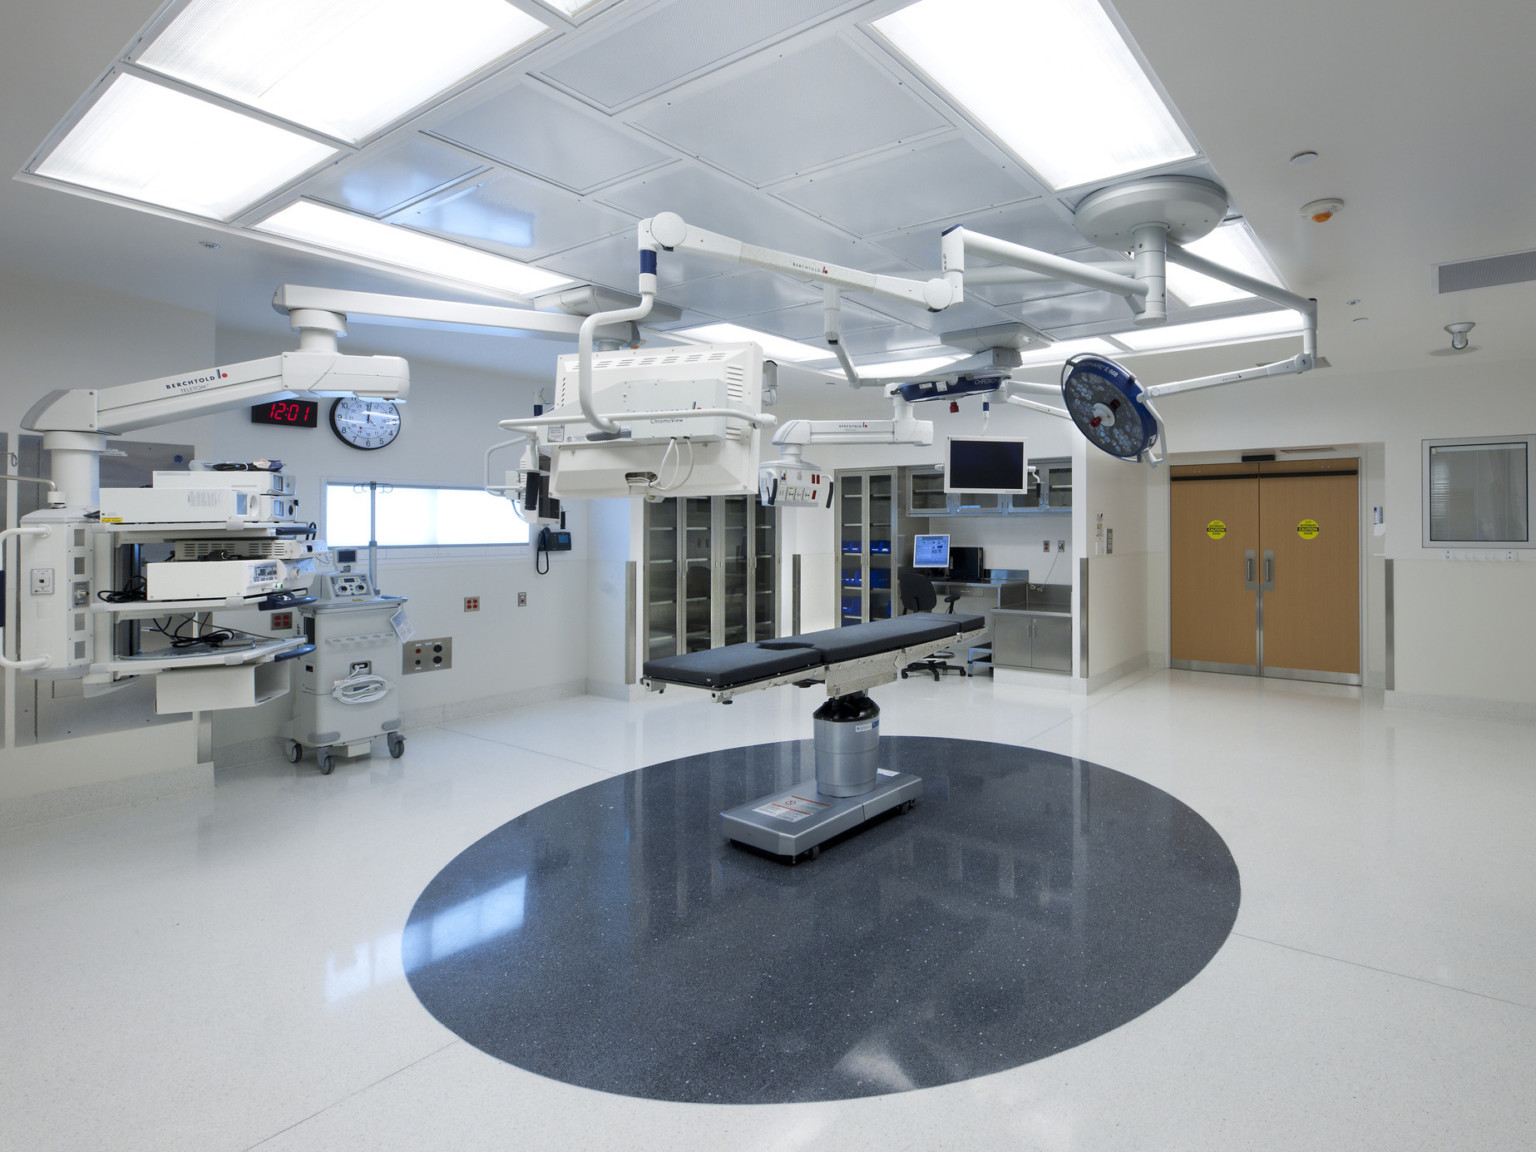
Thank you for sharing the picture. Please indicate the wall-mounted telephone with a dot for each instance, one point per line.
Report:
(550, 540)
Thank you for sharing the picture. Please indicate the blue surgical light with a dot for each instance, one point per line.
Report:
(1108, 406)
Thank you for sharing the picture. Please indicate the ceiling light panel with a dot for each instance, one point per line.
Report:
(774, 347)
(352, 235)
(342, 67)
(1231, 330)
(149, 143)
(1232, 246)
(1075, 106)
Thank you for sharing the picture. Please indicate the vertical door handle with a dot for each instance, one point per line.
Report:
(1250, 576)
(1269, 570)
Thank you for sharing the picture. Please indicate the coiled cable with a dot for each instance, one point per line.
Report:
(361, 688)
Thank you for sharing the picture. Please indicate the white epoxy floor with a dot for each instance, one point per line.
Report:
(221, 970)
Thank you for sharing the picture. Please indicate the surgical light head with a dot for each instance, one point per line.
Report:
(1108, 406)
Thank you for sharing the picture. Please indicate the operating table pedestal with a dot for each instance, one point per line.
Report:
(850, 787)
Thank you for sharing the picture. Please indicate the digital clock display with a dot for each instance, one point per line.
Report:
(293, 413)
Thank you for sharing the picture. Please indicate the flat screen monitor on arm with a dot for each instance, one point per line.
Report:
(986, 464)
(930, 552)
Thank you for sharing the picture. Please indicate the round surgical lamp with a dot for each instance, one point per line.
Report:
(1106, 403)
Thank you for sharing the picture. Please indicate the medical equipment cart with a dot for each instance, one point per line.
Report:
(342, 701)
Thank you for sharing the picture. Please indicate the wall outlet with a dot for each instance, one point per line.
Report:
(1047, 544)
(42, 581)
(1061, 545)
(428, 655)
(522, 599)
(1109, 541)
(471, 603)
(282, 621)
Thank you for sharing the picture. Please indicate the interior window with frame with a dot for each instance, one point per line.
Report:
(410, 516)
(1477, 491)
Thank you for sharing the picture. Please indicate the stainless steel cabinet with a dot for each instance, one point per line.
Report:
(1034, 640)
(711, 573)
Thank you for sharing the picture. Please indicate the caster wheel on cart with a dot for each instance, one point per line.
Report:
(326, 761)
(396, 745)
(294, 751)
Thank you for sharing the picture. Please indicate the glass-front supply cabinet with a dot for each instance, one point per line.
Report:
(711, 573)
(1050, 490)
(873, 534)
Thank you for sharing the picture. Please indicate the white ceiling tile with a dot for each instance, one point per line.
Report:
(537, 133)
(799, 112)
(742, 294)
(376, 182)
(721, 204)
(671, 42)
(886, 338)
(910, 186)
(516, 216)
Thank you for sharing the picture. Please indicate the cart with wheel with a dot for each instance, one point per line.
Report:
(346, 693)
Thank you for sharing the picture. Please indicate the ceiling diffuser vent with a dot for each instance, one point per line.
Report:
(1516, 268)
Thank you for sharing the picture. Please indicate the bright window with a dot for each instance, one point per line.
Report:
(410, 517)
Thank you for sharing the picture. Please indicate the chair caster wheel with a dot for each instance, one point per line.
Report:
(396, 745)
(326, 761)
(294, 751)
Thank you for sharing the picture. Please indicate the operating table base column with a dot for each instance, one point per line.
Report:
(850, 788)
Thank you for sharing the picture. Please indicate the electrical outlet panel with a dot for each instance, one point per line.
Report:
(522, 599)
(427, 655)
(471, 603)
(42, 581)
(1061, 545)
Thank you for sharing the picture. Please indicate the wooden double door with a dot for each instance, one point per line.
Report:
(1265, 563)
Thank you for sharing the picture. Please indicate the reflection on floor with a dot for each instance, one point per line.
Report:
(1029, 903)
(223, 970)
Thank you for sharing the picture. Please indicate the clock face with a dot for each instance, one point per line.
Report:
(364, 423)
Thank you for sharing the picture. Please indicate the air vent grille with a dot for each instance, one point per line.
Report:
(1460, 275)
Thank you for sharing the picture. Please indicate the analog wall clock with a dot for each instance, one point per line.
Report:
(363, 423)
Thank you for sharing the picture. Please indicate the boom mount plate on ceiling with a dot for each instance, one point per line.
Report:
(1187, 206)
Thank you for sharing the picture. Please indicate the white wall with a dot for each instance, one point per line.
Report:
(1461, 626)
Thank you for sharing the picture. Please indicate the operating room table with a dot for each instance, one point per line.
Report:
(851, 788)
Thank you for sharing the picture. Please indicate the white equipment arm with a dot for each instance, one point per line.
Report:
(1304, 361)
(130, 406)
(901, 429)
(670, 232)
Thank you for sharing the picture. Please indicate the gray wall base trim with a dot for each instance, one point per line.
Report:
(46, 806)
(1459, 705)
(1130, 667)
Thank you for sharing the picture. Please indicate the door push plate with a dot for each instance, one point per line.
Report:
(1267, 583)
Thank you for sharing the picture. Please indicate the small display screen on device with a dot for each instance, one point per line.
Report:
(293, 413)
(930, 552)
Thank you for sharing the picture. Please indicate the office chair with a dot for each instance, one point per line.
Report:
(918, 595)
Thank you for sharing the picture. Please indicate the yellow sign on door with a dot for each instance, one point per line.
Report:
(1307, 529)
(1216, 529)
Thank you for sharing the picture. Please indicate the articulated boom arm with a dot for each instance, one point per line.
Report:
(670, 232)
(149, 402)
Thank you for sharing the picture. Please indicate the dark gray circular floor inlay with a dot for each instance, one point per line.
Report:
(612, 939)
